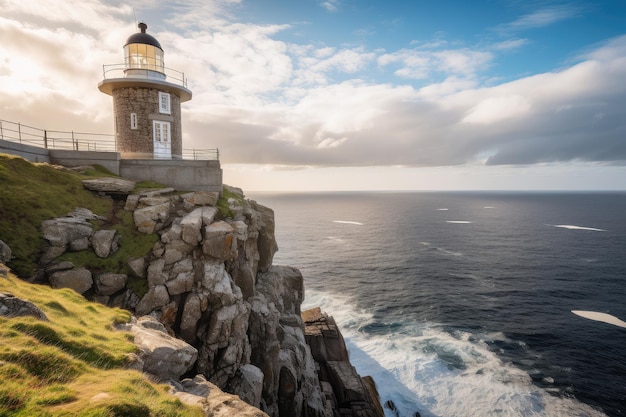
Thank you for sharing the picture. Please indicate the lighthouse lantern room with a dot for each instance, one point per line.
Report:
(146, 100)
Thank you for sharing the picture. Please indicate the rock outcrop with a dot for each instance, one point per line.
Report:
(110, 185)
(11, 306)
(351, 394)
(162, 355)
(5, 252)
(210, 281)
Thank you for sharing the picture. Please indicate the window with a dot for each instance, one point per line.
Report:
(164, 103)
(161, 131)
(133, 121)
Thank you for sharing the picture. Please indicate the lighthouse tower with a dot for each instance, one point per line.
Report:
(146, 100)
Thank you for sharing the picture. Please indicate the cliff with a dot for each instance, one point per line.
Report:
(206, 281)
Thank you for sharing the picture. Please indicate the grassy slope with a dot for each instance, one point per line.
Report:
(73, 365)
(31, 193)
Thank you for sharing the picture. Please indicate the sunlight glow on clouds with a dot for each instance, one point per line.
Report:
(267, 101)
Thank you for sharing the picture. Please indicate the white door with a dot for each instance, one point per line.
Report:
(162, 140)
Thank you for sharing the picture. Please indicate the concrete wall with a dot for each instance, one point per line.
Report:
(181, 175)
(109, 160)
(28, 152)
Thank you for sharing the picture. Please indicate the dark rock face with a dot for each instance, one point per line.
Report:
(351, 394)
(11, 306)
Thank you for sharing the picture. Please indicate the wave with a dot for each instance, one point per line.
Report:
(458, 221)
(422, 368)
(572, 227)
(442, 209)
(347, 222)
(441, 250)
(488, 207)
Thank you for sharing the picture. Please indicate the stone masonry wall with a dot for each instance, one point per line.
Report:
(137, 143)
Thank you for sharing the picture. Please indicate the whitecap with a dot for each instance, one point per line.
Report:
(428, 370)
(488, 207)
(347, 222)
(442, 209)
(458, 221)
(572, 227)
(603, 317)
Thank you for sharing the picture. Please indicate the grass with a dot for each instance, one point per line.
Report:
(133, 244)
(31, 193)
(224, 211)
(73, 364)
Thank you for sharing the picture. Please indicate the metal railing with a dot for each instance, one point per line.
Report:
(56, 139)
(202, 154)
(80, 141)
(110, 71)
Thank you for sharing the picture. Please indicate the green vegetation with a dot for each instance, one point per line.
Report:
(31, 193)
(73, 365)
(222, 204)
(133, 244)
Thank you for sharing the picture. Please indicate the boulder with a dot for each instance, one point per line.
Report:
(192, 312)
(109, 284)
(182, 283)
(151, 218)
(156, 276)
(61, 231)
(155, 297)
(108, 185)
(137, 267)
(104, 243)
(11, 306)
(79, 245)
(190, 227)
(212, 400)
(80, 280)
(162, 355)
(5, 252)
(219, 242)
(248, 384)
(208, 215)
(201, 198)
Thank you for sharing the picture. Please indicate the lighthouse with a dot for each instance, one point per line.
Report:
(146, 100)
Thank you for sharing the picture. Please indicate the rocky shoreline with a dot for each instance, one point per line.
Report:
(213, 310)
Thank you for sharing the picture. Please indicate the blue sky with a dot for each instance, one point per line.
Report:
(349, 94)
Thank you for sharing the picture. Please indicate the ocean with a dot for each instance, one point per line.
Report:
(460, 303)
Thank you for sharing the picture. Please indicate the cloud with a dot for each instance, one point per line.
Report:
(267, 101)
(541, 18)
(330, 5)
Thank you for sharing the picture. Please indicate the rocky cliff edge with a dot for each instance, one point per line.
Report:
(222, 312)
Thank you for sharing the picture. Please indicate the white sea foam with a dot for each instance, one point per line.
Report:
(427, 370)
(442, 209)
(572, 227)
(603, 317)
(488, 207)
(347, 222)
(441, 250)
(458, 221)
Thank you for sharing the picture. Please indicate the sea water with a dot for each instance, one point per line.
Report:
(460, 304)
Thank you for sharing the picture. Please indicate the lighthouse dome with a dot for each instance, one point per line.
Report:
(143, 38)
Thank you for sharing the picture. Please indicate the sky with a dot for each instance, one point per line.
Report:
(314, 95)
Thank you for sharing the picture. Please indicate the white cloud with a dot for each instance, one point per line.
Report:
(497, 109)
(267, 101)
(541, 18)
(330, 5)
